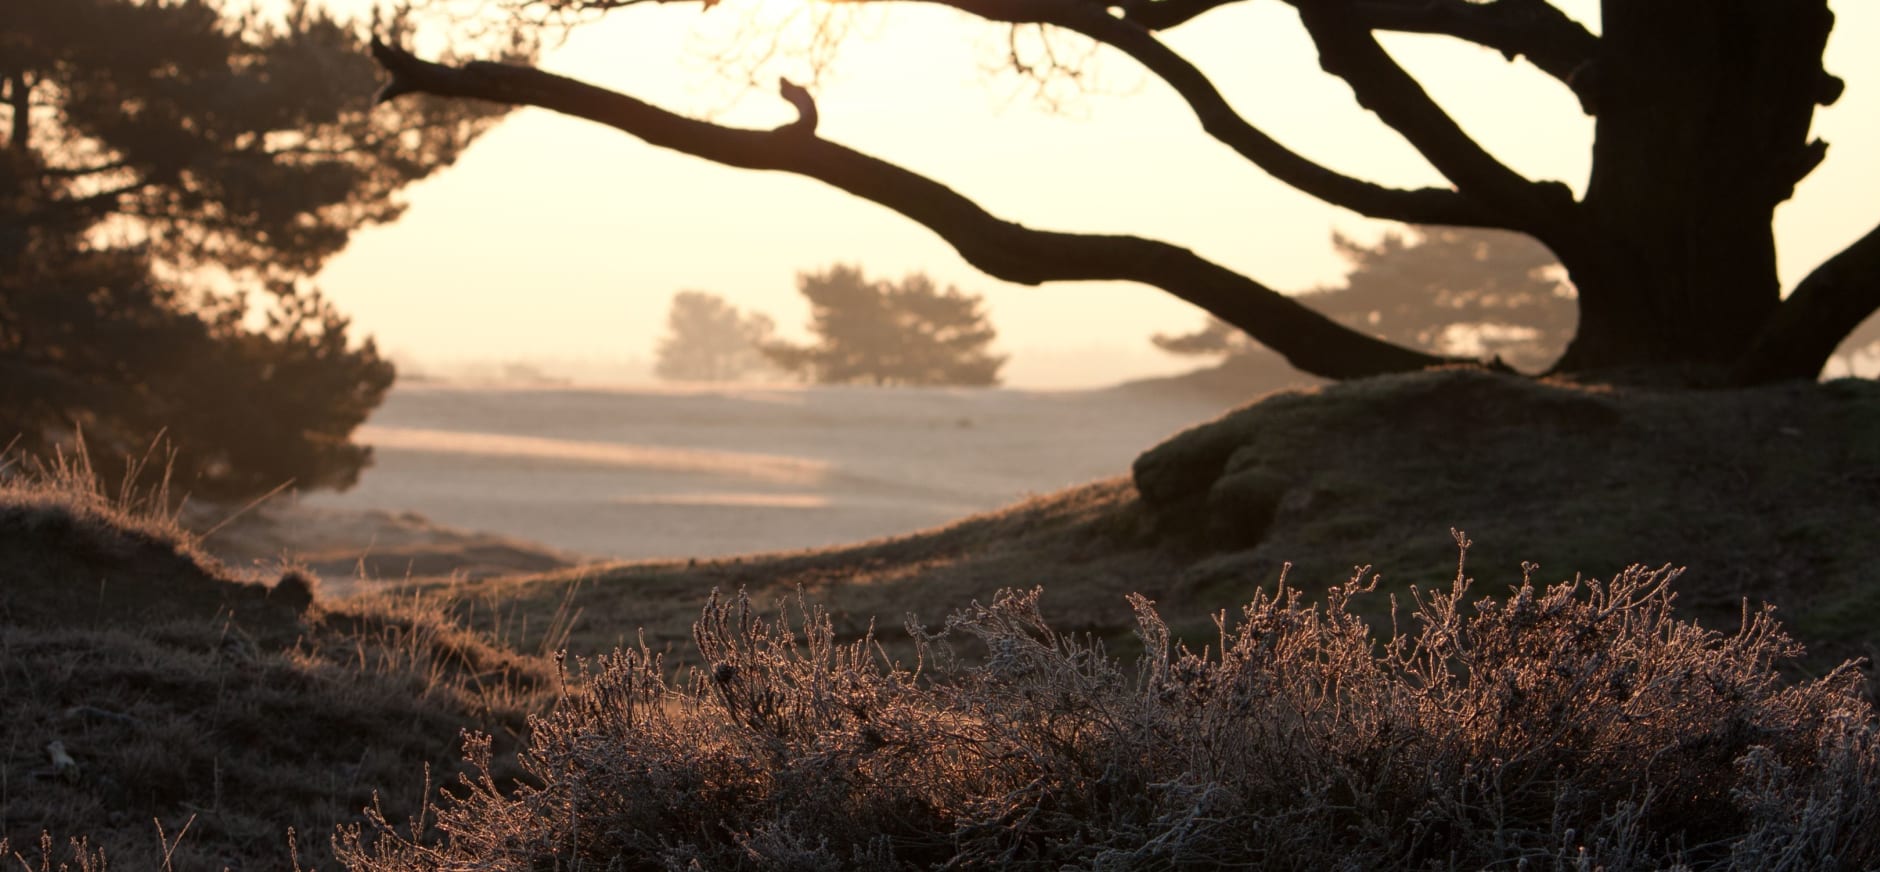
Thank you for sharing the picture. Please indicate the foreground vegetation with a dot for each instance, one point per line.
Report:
(165, 712)
(1580, 726)
(1350, 722)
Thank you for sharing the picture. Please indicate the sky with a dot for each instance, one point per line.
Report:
(559, 243)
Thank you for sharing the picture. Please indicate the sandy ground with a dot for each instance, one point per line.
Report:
(490, 480)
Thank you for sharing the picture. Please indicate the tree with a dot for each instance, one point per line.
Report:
(1444, 290)
(708, 339)
(1702, 112)
(1216, 337)
(153, 150)
(1451, 290)
(884, 333)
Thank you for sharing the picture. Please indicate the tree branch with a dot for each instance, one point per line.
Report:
(79, 172)
(1420, 206)
(1348, 50)
(1827, 306)
(1167, 14)
(19, 98)
(99, 203)
(1550, 40)
(1000, 248)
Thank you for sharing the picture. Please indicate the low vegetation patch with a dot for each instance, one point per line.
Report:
(1336, 722)
(1581, 725)
(161, 711)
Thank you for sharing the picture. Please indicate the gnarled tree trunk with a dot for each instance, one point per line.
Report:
(1703, 112)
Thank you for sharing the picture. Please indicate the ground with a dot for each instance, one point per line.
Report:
(1761, 495)
(1764, 495)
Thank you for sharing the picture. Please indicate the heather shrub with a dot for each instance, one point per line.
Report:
(1580, 725)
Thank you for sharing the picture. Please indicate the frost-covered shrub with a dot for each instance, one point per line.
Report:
(1577, 726)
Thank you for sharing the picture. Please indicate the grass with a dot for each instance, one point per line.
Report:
(1571, 725)
(1764, 494)
(217, 709)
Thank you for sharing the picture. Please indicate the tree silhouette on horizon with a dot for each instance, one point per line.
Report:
(1439, 289)
(889, 333)
(708, 339)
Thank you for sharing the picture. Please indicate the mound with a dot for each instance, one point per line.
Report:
(150, 689)
(1765, 494)
(347, 549)
(72, 561)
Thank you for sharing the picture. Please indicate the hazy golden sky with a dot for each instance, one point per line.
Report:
(557, 239)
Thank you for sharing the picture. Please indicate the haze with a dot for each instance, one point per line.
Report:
(560, 243)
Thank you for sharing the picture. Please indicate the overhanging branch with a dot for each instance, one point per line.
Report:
(1550, 40)
(1533, 29)
(1167, 14)
(1003, 249)
(1412, 206)
(1827, 306)
(1350, 51)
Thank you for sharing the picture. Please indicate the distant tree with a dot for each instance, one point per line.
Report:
(1445, 290)
(708, 339)
(1216, 337)
(151, 149)
(1456, 291)
(884, 333)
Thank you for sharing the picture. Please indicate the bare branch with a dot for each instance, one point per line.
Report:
(97, 203)
(1349, 50)
(798, 96)
(1167, 14)
(1002, 249)
(79, 172)
(1417, 206)
(1827, 306)
(1534, 29)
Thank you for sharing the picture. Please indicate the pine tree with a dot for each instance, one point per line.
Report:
(710, 340)
(152, 150)
(886, 333)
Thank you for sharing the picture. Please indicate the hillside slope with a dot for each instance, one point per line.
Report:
(1765, 494)
(176, 714)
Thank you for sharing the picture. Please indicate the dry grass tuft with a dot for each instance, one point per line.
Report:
(1578, 726)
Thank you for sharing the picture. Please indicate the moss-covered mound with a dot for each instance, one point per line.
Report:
(1768, 494)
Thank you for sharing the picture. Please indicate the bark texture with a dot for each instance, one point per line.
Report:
(1703, 115)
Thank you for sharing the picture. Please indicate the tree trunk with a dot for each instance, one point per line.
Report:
(19, 97)
(1703, 112)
